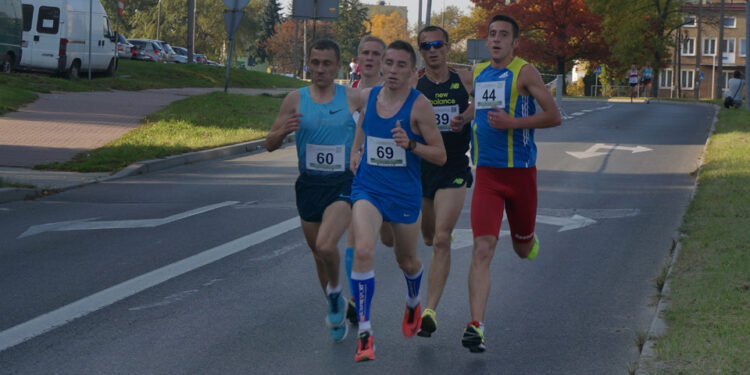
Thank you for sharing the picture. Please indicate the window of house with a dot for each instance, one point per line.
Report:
(709, 46)
(730, 22)
(689, 21)
(743, 47)
(665, 79)
(728, 45)
(686, 78)
(688, 47)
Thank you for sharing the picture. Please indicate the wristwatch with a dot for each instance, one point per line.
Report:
(412, 145)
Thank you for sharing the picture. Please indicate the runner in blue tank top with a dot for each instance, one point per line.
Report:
(320, 115)
(396, 130)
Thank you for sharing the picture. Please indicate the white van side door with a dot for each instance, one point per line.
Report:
(27, 35)
(44, 39)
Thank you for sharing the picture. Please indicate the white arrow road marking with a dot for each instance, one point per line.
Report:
(46, 322)
(594, 150)
(464, 238)
(87, 224)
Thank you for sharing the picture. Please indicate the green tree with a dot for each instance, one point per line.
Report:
(350, 27)
(270, 17)
(645, 34)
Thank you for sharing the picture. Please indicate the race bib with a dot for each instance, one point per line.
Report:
(325, 158)
(489, 94)
(443, 116)
(383, 152)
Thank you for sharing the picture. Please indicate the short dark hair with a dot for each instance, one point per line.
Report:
(737, 74)
(403, 45)
(508, 19)
(431, 28)
(325, 44)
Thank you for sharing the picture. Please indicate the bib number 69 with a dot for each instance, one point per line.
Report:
(385, 152)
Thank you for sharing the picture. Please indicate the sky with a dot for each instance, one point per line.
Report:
(412, 6)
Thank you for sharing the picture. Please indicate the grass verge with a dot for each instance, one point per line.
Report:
(18, 89)
(709, 311)
(192, 124)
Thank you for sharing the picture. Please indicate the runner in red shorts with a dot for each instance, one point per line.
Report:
(507, 91)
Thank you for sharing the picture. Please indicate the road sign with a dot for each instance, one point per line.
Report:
(598, 70)
(232, 18)
(316, 9)
(236, 4)
(476, 49)
(700, 76)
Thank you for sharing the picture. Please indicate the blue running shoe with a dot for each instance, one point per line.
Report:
(336, 318)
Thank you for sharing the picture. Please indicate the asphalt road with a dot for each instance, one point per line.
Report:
(203, 268)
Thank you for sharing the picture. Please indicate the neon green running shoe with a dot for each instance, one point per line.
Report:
(429, 323)
(535, 249)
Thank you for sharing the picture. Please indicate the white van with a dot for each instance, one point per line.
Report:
(56, 37)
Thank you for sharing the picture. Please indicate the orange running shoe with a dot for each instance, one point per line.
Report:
(365, 348)
(412, 320)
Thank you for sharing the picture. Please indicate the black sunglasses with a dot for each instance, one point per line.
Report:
(425, 46)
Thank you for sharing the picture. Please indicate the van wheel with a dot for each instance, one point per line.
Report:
(110, 69)
(74, 71)
(6, 64)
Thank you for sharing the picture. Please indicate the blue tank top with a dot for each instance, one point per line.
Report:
(512, 148)
(325, 134)
(382, 172)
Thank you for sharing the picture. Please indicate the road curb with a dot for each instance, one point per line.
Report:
(144, 167)
(647, 361)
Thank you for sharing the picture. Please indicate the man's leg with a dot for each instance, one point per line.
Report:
(310, 231)
(428, 221)
(405, 249)
(366, 220)
(447, 208)
(335, 220)
(386, 235)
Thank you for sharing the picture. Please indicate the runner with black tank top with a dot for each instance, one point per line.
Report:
(443, 187)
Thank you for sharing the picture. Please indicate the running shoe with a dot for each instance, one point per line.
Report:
(336, 316)
(351, 312)
(429, 323)
(365, 348)
(535, 249)
(412, 318)
(474, 338)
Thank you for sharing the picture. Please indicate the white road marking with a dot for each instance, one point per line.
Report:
(46, 322)
(594, 150)
(87, 224)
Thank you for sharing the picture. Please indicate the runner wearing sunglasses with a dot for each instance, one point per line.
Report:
(443, 187)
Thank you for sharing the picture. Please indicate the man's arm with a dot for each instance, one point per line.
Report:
(355, 155)
(423, 120)
(287, 121)
(529, 83)
(462, 119)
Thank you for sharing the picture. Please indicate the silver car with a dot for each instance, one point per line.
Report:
(148, 50)
(124, 48)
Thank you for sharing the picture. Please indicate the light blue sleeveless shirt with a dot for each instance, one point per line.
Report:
(325, 136)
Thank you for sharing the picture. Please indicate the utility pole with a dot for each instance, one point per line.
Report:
(428, 13)
(699, 51)
(190, 27)
(158, 21)
(720, 71)
(747, 55)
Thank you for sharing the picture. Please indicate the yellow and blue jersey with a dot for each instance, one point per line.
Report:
(496, 148)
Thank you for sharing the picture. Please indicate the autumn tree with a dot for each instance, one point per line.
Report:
(270, 17)
(390, 27)
(553, 32)
(280, 46)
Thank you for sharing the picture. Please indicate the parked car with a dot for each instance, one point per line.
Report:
(200, 58)
(124, 48)
(54, 35)
(10, 34)
(148, 50)
(169, 53)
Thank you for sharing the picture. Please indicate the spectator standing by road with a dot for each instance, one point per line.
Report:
(733, 94)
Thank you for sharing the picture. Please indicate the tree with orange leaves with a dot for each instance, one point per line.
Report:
(553, 32)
